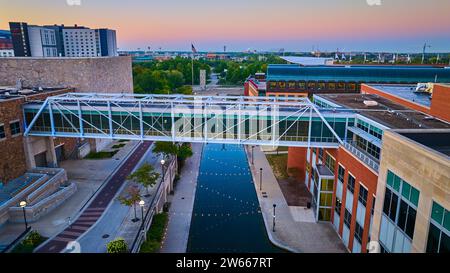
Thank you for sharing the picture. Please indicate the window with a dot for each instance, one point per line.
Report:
(358, 232)
(337, 206)
(373, 205)
(2, 131)
(362, 195)
(390, 204)
(330, 162)
(347, 218)
(321, 154)
(341, 173)
(282, 84)
(439, 231)
(291, 85)
(351, 183)
(15, 128)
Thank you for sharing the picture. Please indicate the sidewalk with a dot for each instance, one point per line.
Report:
(97, 207)
(182, 204)
(291, 234)
(88, 175)
(116, 221)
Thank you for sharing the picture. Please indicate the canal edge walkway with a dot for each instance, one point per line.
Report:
(182, 205)
(290, 235)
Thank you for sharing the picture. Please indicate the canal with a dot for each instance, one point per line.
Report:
(226, 215)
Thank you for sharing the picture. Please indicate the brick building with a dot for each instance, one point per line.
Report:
(19, 153)
(345, 182)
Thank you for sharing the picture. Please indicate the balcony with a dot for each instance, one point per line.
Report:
(362, 155)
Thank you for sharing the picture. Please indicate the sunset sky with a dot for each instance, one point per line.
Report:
(298, 25)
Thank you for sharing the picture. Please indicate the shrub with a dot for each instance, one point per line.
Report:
(155, 234)
(117, 246)
(33, 240)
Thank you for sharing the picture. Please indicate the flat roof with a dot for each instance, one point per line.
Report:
(386, 112)
(306, 60)
(406, 92)
(11, 92)
(438, 141)
(359, 73)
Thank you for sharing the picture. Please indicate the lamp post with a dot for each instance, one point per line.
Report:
(141, 204)
(260, 179)
(162, 168)
(253, 146)
(274, 206)
(23, 204)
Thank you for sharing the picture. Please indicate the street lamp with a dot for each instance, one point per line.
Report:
(260, 179)
(23, 204)
(162, 168)
(253, 146)
(274, 206)
(141, 204)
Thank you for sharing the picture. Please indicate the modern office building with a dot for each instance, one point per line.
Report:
(33, 41)
(412, 213)
(5, 40)
(348, 183)
(294, 80)
(62, 41)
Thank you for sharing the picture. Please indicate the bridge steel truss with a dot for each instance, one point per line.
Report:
(295, 122)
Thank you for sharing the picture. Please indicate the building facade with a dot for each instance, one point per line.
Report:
(345, 182)
(412, 213)
(62, 41)
(295, 80)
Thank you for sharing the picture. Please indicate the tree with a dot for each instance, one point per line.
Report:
(145, 175)
(118, 245)
(165, 148)
(184, 151)
(132, 197)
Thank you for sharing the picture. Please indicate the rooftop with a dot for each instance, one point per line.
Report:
(406, 92)
(359, 73)
(12, 92)
(386, 112)
(308, 60)
(438, 141)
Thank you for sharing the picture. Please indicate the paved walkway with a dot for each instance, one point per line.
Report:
(182, 205)
(97, 207)
(89, 175)
(291, 234)
(116, 221)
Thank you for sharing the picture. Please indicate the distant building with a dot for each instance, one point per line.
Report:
(6, 53)
(307, 61)
(294, 80)
(5, 40)
(62, 41)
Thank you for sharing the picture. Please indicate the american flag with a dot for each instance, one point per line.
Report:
(193, 48)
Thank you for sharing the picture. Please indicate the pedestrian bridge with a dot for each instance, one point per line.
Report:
(294, 122)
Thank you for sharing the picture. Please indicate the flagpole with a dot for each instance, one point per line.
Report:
(192, 70)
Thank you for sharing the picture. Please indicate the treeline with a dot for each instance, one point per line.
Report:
(167, 77)
(235, 73)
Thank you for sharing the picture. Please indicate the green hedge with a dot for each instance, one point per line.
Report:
(101, 155)
(33, 240)
(155, 234)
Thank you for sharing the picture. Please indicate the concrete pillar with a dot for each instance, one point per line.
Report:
(50, 153)
(29, 154)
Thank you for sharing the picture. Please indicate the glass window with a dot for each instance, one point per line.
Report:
(15, 128)
(363, 195)
(2, 131)
(347, 218)
(291, 85)
(351, 183)
(321, 154)
(311, 85)
(330, 163)
(302, 85)
(358, 232)
(341, 173)
(327, 185)
(282, 84)
(337, 206)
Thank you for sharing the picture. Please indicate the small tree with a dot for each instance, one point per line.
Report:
(132, 197)
(145, 176)
(118, 245)
(165, 148)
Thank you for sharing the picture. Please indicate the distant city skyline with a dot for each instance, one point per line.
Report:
(295, 25)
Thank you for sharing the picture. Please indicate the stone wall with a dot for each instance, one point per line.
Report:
(100, 74)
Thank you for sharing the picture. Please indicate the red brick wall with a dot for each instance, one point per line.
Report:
(362, 175)
(297, 159)
(440, 103)
(12, 159)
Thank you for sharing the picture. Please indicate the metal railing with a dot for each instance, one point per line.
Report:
(363, 156)
(141, 236)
